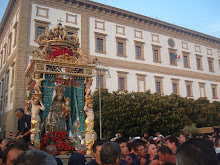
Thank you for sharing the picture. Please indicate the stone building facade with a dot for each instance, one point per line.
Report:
(137, 53)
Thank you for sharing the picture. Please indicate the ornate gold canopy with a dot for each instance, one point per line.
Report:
(59, 54)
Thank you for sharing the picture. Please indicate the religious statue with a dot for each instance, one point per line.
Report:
(82, 54)
(66, 109)
(88, 83)
(46, 51)
(28, 107)
(89, 122)
(37, 105)
(28, 97)
(38, 80)
(56, 116)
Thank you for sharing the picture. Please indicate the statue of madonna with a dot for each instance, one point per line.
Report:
(56, 117)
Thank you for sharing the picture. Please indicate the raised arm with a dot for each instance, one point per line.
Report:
(42, 106)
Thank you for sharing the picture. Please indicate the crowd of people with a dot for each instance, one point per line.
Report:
(148, 150)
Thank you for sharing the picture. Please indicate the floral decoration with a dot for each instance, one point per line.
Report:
(59, 139)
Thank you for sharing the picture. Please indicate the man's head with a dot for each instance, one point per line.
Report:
(19, 112)
(183, 137)
(196, 152)
(52, 150)
(35, 157)
(146, 134)
(82, 149)
(110, 153)
(12, 152)
(122, 142)
(172, 142)
(164, 152)
(158, 134)
(152, 150)
(139, 149)
(5, 143)
(96, 148)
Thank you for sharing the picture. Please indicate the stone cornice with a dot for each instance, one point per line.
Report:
(135, 66)
(123, 14)
(105, 9)
(6, 15)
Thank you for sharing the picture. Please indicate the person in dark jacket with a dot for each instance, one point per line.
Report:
(24, 126)
(78, 158)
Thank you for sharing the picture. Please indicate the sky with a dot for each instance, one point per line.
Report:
(199, 15)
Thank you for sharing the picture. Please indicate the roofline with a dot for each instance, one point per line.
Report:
(120, 12)
(6, 15)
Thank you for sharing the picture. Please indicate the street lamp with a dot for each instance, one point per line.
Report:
(98, 69)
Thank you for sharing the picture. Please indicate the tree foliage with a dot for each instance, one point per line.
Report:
(133, 113)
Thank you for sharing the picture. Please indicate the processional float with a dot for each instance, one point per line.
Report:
(58, 88)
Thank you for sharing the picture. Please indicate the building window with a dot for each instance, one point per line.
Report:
(99, 46)
(210, 64)
(6, 100)
(121, 46)
(3, 87)
(219, 64)
(100, 42)
(5, 53)
(120, 49)
(7, 81)
(101, 78)
(11, 96)
(199, 62)
(12, 74)
(41, 27)
(40, 30)
(175, 86)
(1, 104)
(186, 61)
(159, 84)
(9, 43)
(214, 91)
(121, 83)
(15, 34)
(0, 96)
(139, 50)
(202, 89)
(122, 80)
(141, 82)
(189, 92)
(1, 59)
(100, 81)
(156, 53)
(173, 56)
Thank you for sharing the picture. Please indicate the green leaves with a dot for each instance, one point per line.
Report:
(133, 113)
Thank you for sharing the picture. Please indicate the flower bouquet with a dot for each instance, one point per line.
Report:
(59, 139)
